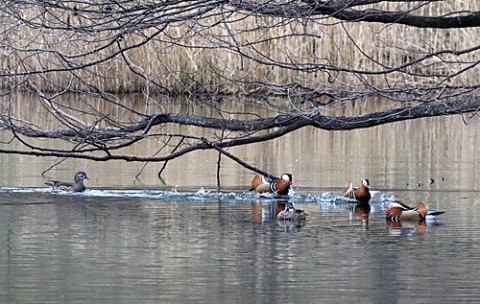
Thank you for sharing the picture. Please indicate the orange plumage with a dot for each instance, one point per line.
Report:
(262, 184)
(399, 211)
(360, 194)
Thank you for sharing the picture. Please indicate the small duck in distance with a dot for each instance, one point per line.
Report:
(360, 194)
(282, 185)
(76, 186)
(291, 214)
(398, 211)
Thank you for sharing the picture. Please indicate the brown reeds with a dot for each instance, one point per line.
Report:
(234, 54)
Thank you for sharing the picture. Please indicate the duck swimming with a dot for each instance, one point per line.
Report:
(76, 186)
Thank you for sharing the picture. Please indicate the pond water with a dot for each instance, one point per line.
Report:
(132, 240)
(125, 246)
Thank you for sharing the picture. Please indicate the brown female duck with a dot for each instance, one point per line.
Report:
(76, 186)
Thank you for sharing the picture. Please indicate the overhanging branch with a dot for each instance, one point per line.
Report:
(284, 124)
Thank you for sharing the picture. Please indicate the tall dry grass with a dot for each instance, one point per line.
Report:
(235, 55)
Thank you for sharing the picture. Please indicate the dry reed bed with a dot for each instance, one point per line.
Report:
(191, 56)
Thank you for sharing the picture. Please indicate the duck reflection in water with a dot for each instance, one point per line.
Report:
(291, 226)
(361, 212)
(406, 227)
(263, 212)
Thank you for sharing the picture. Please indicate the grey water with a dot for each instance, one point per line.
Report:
(205, 248)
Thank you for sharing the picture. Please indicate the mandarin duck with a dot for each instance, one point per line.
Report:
(398, 211)
(291, 214)
(360, 194)
(76, 186)
(280, 186)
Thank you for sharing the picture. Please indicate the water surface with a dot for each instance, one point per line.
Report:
(225, 247)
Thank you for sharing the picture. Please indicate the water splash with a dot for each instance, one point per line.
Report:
(203, 194)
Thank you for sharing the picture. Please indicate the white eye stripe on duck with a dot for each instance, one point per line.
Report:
(287, 177)
(398, 205)
(404, 207)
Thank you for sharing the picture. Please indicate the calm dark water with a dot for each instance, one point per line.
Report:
(123, 248)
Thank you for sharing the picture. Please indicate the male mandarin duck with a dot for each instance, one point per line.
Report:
(280, 186)
(77, 186)
(360, 194)
(398, 211)
(291, 214)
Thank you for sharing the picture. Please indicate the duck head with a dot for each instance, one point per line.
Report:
(287, 177)
(80, 176)
(366, 182)
(422, 210)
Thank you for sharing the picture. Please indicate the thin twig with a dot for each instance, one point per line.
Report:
(53, 166)
(239, 161)
(165, 162)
